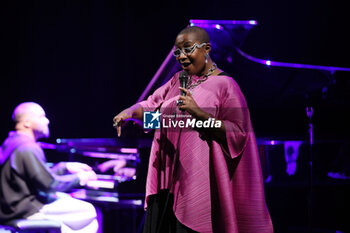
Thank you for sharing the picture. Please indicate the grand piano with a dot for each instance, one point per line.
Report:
(282, 98)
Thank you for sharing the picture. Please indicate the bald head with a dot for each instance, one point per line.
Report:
(25, 109)
(201, 35)
(30, 118)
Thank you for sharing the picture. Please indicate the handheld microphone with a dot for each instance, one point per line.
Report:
(183, 81)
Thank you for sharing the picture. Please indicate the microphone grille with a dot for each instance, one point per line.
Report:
(183, 76)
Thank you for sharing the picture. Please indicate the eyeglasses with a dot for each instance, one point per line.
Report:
(188, 50)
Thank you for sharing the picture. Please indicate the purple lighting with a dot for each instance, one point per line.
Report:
(110, 155)
(210, 23)
(218, 26)
(206, 25)
(129, 150)
(253, 22)
(290, 65)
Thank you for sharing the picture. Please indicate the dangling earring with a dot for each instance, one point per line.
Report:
(206, 58)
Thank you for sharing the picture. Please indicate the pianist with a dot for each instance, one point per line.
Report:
(30, 189)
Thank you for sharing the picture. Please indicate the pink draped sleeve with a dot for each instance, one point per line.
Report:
(237, 187)
(234, 112)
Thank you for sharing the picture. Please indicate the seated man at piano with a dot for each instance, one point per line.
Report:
(29, 188)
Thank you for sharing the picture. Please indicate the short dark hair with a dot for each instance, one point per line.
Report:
(201, 34)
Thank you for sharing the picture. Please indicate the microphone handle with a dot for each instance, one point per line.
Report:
(183, 84)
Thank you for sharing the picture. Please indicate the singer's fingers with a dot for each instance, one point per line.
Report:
(188, 93)
(119, 121)
(116, 122)
(182, 107)
(119, 130)
(116, 118)
(181, 97)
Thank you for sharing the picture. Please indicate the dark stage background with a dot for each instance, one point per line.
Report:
(85, 61)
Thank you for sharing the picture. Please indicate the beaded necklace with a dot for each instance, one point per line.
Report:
(199, 81)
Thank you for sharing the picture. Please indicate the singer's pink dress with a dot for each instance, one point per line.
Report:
(215, 189)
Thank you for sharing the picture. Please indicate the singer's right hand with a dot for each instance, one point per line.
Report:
(134, 113)
(120, 119)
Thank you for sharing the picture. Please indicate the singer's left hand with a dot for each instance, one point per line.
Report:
(189, 104)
